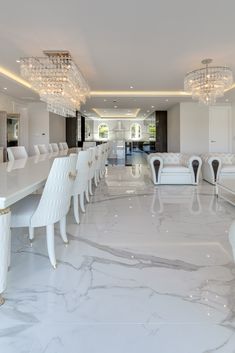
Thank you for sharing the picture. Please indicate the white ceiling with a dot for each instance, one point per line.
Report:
(149, 44)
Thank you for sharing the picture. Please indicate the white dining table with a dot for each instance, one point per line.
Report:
(18, 179)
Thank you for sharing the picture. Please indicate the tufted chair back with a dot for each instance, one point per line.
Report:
(55, 201)
(226, 158)
(170, 158)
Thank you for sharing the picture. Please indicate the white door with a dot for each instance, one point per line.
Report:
(220, 136)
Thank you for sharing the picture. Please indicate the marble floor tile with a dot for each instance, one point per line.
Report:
(149, 269)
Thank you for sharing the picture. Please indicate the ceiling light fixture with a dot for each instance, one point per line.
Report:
(5, 88)
(58, 81)
(208, 83)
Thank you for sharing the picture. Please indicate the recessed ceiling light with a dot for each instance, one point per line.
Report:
(115, 106)
(148, 111)
(5, 88)
(131, 87)
(152, 106)
(18, 61)
(167, 100)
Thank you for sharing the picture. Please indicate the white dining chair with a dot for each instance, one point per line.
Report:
(80, 183)
(92, 167)
(50, 207)
(54, 147)
(40, 149)
(88, 144)
(17, 152)
(63, 146)
(103, 159)
(98, 158)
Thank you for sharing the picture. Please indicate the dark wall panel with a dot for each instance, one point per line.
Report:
(161, 130)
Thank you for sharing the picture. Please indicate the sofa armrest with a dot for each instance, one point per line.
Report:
(195, 164)
(156, 164)
(211, 168)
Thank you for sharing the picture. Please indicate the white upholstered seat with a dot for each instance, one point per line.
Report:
(17, 152)
(88, 144)
(174, 168)
(63, 146)
(40, 149)
(50, 207)
(54, 147)
(80, 183)
(218, 166)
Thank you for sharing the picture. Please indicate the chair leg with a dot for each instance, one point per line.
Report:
(87, 194)
(75, 208)
(96, 179)
(51, 244)
(90, 187)
(31, 234)
(9, 249)
(81, 197)
(63, 230)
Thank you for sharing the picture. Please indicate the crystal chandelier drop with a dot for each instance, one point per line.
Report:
(208, 83)
(58, 81)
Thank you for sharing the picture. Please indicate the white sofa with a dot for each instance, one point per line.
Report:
(174, 168)
(217, 166)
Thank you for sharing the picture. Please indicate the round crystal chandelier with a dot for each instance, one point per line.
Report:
(58, 81)
(208, 83)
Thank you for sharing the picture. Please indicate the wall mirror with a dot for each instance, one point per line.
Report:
(13, 125)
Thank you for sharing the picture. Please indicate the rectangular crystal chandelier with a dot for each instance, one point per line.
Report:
(58, 81)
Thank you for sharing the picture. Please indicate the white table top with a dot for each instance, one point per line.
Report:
(22, 177)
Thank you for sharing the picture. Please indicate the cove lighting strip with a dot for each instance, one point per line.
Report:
(139, 94)
(18, 79)
(14, 77)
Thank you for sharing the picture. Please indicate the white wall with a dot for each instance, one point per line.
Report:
(56, 128)
(173, 129)
(38, 125)
(194, 128)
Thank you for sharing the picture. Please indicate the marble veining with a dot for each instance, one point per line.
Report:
(149, 269)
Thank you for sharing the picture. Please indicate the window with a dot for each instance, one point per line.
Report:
(135, 131)
(103, 131)
(152, 131)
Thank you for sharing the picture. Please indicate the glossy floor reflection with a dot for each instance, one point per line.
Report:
(149, 269)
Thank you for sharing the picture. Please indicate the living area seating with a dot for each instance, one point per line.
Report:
(174, 168)
(217, 166)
